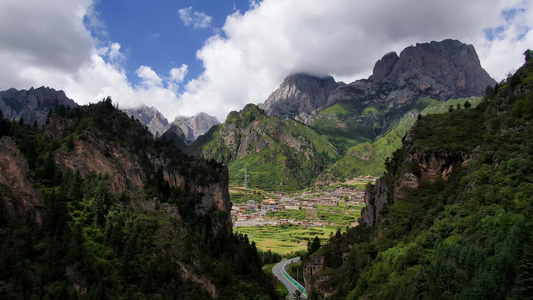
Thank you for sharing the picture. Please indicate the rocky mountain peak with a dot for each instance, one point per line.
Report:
(384, 67)
(440, 70)
(299, 93)
(33, 104)
(150, 117)
(195, 126)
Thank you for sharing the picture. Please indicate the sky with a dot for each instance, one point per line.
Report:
(215, 56)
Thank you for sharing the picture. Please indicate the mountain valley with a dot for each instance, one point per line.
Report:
(100, 203)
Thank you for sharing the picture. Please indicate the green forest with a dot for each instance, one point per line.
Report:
(84, 241)
(464, 236)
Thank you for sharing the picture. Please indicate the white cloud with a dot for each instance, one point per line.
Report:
(178, 74)
(149, 77)
(48, 43)
(194, 18)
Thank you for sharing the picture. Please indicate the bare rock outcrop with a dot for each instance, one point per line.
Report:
(299, 93)
(19, 195)
(417, 166)
(150, 117)
(441, 70)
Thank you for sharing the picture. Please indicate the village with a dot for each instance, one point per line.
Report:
(260, 213)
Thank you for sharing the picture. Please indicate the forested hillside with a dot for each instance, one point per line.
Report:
(92, 207)
(452, 216)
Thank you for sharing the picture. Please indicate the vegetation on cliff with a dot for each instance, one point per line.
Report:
(149, 229)
(462, 234)
(275, 154)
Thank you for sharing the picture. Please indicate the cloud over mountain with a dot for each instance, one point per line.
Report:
(54, 43)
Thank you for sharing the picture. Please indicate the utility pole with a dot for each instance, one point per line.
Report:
(245, 177)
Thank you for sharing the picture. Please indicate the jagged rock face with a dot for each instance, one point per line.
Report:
(299, 93)
(312, 266)
(150, 117)
(21, 197)
(441, 70)
(431, 165)
(384, 67)
(93, 154)
(33, 104)
(195, 126)
(376, 196)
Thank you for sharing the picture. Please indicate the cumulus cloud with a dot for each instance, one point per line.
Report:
(343, 38)
(48, 43)
(194, 18)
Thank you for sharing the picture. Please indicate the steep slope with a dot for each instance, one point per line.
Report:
(277, 154)
(299, 93)
(451, 217)
(369, 158)
(32, 105)
(93, 207)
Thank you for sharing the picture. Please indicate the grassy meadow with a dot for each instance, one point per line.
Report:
(287, 238)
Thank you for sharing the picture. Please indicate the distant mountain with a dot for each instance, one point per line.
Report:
(33, 104)
(440, 70)
(195, 126)
(363, 121)
(150, 117)
(192, 127)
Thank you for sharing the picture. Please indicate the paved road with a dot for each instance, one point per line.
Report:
(276, 270)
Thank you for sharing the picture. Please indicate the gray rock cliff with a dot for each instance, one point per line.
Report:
(299, 93)
(33, 104)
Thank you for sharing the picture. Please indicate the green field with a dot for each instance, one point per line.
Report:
(287, 238)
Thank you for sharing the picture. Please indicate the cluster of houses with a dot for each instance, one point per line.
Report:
(254, 213)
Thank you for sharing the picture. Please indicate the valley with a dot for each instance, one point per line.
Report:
(285, 223)
(413, 183)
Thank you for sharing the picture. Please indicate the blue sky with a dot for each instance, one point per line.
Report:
(153, 33)
(185, 57)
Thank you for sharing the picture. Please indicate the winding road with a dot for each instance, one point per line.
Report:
(278, 271)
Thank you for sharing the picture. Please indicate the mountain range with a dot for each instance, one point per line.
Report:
(34, 105)
(192, 127)
(93, 205)
(342, 130)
